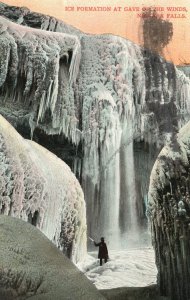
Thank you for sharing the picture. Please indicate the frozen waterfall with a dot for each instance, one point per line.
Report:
(128, 197)
(104, 95)
(145, 99)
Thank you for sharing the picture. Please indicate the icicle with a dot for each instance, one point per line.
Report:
(75, 62)
(171, 191)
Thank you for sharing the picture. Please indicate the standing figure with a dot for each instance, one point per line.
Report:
(103, 251)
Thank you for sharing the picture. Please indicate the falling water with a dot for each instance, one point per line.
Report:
(128, 209)
(110, 209)
(110, 184)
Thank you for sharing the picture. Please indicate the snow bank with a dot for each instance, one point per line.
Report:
(31, 267)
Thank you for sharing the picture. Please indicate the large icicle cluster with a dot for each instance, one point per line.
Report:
(123, 97)
(38, 187)
(37, 70)
(169, 211)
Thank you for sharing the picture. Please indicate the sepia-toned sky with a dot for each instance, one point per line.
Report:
(123, 23)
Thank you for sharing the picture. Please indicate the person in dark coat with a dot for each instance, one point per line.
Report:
(103, 251)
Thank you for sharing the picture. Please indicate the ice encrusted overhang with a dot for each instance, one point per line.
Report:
(38, 187)
(117, 80)
(169, 212)
(37, 71)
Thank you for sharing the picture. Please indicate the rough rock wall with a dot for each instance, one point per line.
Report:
(38, 187)
(122, 93)
(169, 211)
(31, 267)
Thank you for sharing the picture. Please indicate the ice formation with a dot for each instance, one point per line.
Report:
(119, 103)
(169, 211)
(37, 70)
(36, 186)
(149, 101)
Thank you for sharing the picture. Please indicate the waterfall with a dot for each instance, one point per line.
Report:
(99, 106)
(128, 218)
(110, 196)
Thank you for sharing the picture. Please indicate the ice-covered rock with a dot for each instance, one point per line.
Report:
(31, 267)
(38, 187)
(169, 211)
(185, 69)
(23, 15)
(37, 70)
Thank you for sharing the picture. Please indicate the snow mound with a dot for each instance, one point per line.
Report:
(31, 267)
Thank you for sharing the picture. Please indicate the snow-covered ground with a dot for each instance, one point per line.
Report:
(125, 268)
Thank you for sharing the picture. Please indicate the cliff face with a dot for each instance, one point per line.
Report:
(39, 188)
(169, 210)
(104, 100)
